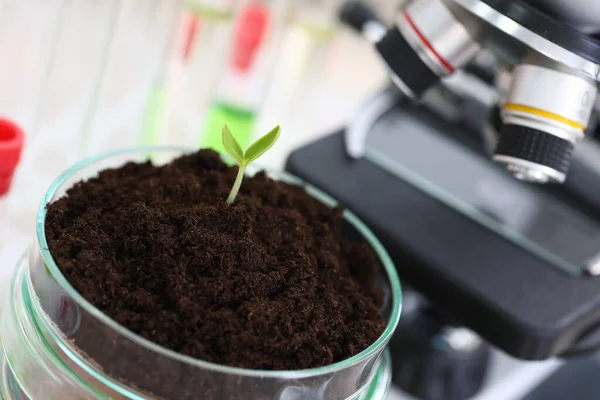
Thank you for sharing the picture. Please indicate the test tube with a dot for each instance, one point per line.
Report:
(140, 37)
(107, 52)
(153, 120)
(72, 78)
(24, 70)
(193, 63)
(241, 91)
(302, 69)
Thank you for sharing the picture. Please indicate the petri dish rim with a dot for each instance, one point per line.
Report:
(384, 257)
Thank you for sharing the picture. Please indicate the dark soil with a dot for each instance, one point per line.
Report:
(266, 283)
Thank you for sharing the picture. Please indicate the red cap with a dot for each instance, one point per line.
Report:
(11, 143)
(250, 34)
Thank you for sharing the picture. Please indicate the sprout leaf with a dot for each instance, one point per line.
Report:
(261, 146)
(232, 146)
(256, 149)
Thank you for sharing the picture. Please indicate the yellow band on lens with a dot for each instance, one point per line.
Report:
(545, 114)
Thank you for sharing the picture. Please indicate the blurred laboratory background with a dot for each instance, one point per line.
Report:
(84, 77)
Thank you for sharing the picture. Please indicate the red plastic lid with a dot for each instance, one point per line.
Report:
(11, 144)
(250, 34)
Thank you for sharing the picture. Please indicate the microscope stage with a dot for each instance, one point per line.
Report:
(499, 256)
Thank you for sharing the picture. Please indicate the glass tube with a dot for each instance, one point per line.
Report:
(140, 36)
(23, 69)
(302, 70)
(241, 92)
(194, 63)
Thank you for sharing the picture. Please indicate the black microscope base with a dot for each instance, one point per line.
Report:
(513, 299)
(578, 379)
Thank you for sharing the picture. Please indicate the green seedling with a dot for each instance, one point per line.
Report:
(243, 159)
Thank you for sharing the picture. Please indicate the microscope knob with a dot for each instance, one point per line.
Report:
(534, 155)
(426, 44)
(448, 365)
(407, 69)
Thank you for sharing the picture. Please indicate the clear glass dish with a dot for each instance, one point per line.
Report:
(46, 321)
(37, 365)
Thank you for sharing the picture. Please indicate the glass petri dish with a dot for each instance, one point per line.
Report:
(57, 344)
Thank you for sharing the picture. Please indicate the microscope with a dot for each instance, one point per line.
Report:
(478, 167)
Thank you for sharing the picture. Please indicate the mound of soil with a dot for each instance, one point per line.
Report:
(269, 282)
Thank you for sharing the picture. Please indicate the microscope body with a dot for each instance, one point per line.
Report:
(547, 102)
(500, 262)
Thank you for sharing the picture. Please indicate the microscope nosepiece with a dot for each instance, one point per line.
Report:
(426, 44)
(546, 112)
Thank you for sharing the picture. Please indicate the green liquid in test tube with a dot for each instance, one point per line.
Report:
(240, 94)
